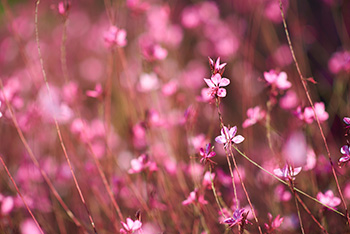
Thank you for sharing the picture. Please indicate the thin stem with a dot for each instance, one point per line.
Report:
(313, 108)
(214, 192)
(291, 186)
(55, 120)
(20, 194)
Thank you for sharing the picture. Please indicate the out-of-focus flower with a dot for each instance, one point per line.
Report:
(207, 154)
(194, 197)
(63, 7)
(237, 218)
(287, 172)
(148, 82)
(339, 62)
(28, 226)
(207, 178)
(229, 135)
(151, 50)
(7, 205)
(278, 80)
(254, 114)
(215, 82)
(96, 93)
(328, 199)
(131, 226)
(310, 160)
(115, 37)
(289, 100)
(309, 116)
(346, 154)
(216, 67)
(273, 12)
(137, 6)
(142, 163)
(273, 224)
(0, 111)
(281, 194)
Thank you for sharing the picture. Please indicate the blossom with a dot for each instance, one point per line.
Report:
(229, 135)
(278, 80)
(309, 115)
(328, 199)
(207, 179)
(142, 163)
(194, 197)
(216, 67)
(215, 82)
(0, 111)
(131, 226)
(63, 7)
(346, 154)
(237, 218)
(339, 62)
(96, 93)
(207, 154)
(287, 172)
(273, 224)
(254, 114)
(115, 37)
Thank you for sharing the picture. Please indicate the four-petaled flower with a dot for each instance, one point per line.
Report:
(346, 152)
(229, 135)
(254, 114)
(194, 197)
(328, 199)
(278, 80)
(287, 172)
(207, 154)
(237, 218)
(215, 82)
(217, 67)
(273, 224)
(130, 226)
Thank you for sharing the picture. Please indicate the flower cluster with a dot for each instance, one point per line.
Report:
(308, 115)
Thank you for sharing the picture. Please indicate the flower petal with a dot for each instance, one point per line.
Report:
(233, 131)
(224, 82)
(238, 139)
(216, 79)
(209, 83)
(221, 92)
(220, 139)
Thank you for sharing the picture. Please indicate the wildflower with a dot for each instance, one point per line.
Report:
(207, 178)
(287, 172)
(115, 37)
(346, 152)
(328, 199)
(339, 62)
(238, 217)
(273, 224)
(217, 67)
(215, 82)
(194, 197)
(229, 135)
(207, 154)
(254, 114)
(130, 226)
(278, 80)
(309, 114)
(142, 163)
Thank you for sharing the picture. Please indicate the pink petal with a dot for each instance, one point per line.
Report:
(216, 79)
(346, 120)
(220, 139)
(233, 131)
(221, 92)
(238, 139)
(224, 82)
(278, 172)
(209, 83)
(137, 225)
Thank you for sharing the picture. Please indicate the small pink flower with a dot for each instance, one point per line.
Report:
(151, 50)
(207, 178)
(215, 82)
(96, 93)
(278, 80)
(194, 197)
(309, 116)
(238, 217)
(229, 135)
(346, 154)
(207, 154)
(254, 114)
(328, 199)
(115, 37)
(142, 163)
(287, 172)
(131, 226)
(63, 7)
(339, 62)
(217, 67)
(0, 111)
(273, 224)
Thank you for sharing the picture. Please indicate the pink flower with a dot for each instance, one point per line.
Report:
(96, 93)
(131, 226)
(194, 197)
(273, 224)
(339, 62)
(309, 114)
(115, 37)
(215, 82)
(254, 114)
(238, 217)
(278, 80)
(151, 50)
(217, 67)
(207, 178)
(346, 154)
(229, 135)
(207, 154)
(289, 100)
(63, 7)
(0, 111)
(328, 199)
(287, 172)
(142, 163)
